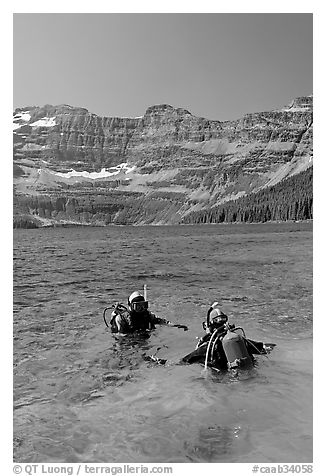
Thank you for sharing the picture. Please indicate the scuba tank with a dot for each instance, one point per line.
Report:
(118, 309)
(235, 350)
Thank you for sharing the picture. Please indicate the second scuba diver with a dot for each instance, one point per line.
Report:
(136, 317)
(222, 347)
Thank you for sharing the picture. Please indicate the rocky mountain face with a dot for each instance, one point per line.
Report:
(72, 166)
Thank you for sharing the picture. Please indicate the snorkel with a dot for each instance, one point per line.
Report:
(145, 292)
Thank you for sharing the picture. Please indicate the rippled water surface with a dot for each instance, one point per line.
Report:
(83, 395)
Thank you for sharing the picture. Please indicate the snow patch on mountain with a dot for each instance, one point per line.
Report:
(104, 173)
(19, 118)
(44, 122)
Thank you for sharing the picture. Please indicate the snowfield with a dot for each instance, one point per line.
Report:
(96, 175)
(44, 122)
(21, 117)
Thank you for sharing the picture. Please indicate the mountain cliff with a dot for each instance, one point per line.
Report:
(72, 166)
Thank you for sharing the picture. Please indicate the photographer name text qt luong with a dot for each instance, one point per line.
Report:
(32, 469)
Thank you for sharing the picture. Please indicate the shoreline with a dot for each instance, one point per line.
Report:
(76, 224)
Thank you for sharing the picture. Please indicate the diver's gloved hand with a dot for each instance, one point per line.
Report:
(268, 347)
(181, 326)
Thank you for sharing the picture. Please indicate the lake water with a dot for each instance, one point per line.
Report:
(84, 395)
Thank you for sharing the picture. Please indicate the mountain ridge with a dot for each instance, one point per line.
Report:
(67, 152)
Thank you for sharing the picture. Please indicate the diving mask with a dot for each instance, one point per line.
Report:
(139, 306)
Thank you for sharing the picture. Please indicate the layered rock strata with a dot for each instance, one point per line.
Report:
(173, 161)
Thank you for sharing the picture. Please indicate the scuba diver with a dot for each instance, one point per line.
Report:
(222, 347)
(135, 317)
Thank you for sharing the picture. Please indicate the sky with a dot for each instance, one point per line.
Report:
(216, 65)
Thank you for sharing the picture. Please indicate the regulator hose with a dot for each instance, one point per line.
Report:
(208, 347)
(213, 347)
(107, 325)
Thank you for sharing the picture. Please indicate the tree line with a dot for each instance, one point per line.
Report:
(290, 199)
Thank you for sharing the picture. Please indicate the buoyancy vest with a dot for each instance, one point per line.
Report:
(131, 321)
